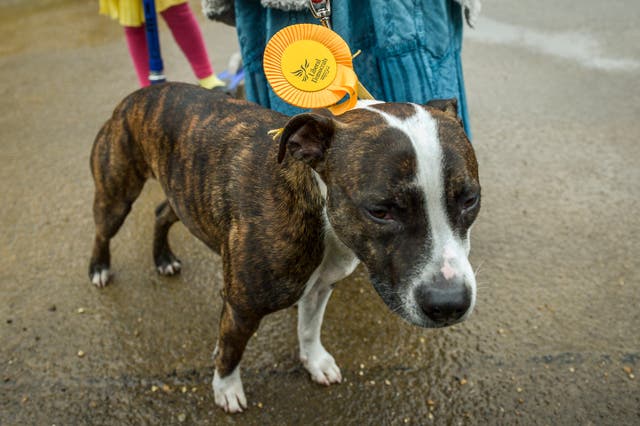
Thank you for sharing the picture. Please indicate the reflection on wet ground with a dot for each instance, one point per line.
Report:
(579, 47)
(553, 339)
(48, 25)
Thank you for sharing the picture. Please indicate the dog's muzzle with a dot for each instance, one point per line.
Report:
(443, 301)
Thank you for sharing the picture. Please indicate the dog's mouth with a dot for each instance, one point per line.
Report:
(430, 310)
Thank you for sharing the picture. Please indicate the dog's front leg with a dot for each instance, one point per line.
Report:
(338, 263)
(235, 331)
(314, 357)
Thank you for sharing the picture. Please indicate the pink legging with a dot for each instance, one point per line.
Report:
(187, 34)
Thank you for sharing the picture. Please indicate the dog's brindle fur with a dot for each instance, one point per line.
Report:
(270, 222)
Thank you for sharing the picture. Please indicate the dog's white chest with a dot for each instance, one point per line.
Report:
(338, 261)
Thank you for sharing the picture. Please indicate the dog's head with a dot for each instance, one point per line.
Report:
(402, 193)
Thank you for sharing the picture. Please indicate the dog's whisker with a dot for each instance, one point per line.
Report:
(479, 267)
(396, 309)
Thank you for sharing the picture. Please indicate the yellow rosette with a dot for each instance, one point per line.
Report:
(310, 66)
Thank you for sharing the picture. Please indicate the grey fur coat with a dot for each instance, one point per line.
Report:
(223, 10)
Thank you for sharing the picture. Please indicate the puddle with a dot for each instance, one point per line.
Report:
(574, 46)
(52, 25)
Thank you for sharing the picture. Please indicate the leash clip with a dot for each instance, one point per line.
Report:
(321, 9)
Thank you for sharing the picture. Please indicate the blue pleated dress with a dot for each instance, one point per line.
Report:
(410, 49)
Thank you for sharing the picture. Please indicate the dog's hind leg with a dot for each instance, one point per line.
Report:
(109, 215)
(166, 262)
(119, 174)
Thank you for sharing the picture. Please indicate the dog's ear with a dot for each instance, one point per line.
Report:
(448, 106)
(307, 136)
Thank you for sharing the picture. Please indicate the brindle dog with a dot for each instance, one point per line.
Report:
(392, 185)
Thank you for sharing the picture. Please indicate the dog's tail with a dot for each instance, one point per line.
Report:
(117, 161)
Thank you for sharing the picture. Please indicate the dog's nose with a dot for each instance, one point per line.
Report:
(444, 301)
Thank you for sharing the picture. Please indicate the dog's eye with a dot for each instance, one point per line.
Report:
(380, 214)
(469, 201)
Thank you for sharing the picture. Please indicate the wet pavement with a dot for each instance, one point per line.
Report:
(554, 95)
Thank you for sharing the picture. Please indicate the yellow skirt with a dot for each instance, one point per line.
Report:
(130, 12)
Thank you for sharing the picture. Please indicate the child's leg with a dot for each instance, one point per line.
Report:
(137, 42)
(186, 32)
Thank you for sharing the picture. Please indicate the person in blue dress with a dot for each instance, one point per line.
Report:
(411, 50)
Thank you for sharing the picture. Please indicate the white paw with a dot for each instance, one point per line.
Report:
(321, 365)
(170, 268)
(100, 278)
(228, 392)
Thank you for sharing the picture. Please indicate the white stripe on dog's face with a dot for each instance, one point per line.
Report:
(445, 252)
